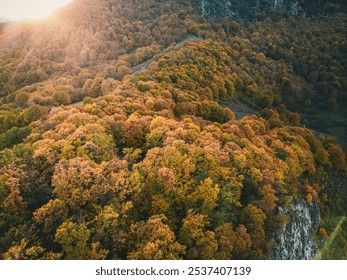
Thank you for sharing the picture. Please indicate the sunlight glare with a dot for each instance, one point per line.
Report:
(29, 9)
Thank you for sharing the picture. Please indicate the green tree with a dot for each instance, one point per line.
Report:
(73, 239)
(201, 243)
(154, 240)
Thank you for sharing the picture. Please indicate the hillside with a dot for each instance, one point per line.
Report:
(150, 130)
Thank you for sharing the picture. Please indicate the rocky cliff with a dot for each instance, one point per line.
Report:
(252, 8)
(298, 240)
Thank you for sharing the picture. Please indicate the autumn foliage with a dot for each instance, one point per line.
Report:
(156, 165)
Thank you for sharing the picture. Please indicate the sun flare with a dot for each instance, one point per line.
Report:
(29, 9)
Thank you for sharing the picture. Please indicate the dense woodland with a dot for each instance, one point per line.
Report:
(155, 165)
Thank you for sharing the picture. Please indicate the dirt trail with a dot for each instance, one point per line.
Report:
(239, 108)
(144, 65)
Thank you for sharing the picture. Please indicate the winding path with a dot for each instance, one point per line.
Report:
(144, 65)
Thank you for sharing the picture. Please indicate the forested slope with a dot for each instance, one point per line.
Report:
(155, 165)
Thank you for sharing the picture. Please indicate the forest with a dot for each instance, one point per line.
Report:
(99, 161)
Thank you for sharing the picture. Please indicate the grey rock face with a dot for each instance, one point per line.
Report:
(298, 239)
(250, 9)
(246, 9)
